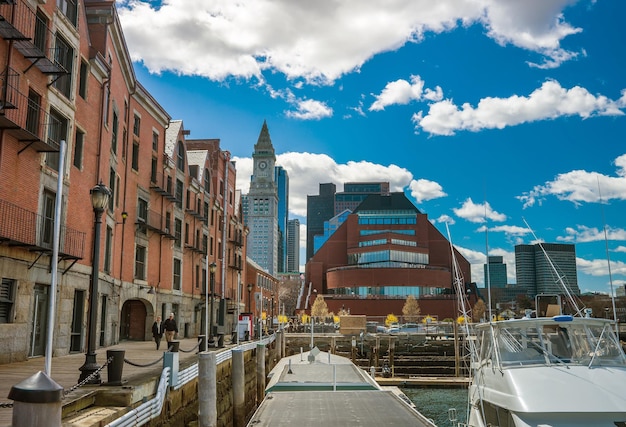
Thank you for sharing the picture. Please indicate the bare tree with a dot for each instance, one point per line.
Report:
(411, 309)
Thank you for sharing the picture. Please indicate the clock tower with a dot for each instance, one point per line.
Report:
(262, 205)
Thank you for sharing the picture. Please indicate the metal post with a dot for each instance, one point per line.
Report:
(99, 198)
(212, 272)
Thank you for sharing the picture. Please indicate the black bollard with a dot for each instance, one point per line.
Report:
(175, 346)
(115, 367)
(201, 341)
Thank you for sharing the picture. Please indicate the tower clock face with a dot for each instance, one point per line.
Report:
(262, 164)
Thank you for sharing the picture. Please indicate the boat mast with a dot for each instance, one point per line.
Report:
(608, 258)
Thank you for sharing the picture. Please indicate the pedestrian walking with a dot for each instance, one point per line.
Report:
(171, 329)
(157, 331)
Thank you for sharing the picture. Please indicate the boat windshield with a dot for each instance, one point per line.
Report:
(570, 343)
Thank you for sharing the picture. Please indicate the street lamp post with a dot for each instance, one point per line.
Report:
(212, 267)
(99, 199)
(250, 286)
(272, 312)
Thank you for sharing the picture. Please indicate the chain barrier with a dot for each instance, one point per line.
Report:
(87, 379)
(6, 405)
(195, 347)
(139, 365)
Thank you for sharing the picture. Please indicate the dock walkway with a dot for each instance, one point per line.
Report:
(64, 370)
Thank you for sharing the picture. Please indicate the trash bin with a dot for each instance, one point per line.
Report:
(115, 366)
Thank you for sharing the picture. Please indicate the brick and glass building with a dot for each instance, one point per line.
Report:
(384, 251)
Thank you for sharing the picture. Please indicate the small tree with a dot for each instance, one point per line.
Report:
(319, 308)
(478, 312)
(411, 309)
(391, 318)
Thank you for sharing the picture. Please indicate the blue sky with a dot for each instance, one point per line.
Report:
(487, 114)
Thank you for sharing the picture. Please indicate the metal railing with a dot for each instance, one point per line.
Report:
(27, 228)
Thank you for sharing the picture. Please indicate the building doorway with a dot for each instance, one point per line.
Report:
(76, 335)
(40, 321)
(133, 321)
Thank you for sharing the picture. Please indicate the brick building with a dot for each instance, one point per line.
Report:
(386, 250)
(69, 87)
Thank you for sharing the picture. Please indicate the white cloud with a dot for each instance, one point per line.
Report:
(478, 213)
(423, 189)
(583, 234)
(403, 92)
(319, 42)
(581, 186)
(600, 267)
(320, 168)
(550, 101)
(444, 219)
(311, 110)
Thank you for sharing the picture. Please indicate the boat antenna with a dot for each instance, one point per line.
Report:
(566, 289)
(608, 258)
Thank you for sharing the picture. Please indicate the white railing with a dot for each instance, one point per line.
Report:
(152, 408)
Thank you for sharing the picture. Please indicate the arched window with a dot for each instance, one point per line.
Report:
(207, 181)
(180, 163)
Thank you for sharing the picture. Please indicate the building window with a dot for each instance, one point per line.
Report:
(57, 131)
(136, 125)
(68, 8)
(180, 160)
(135, 159)
(108, 245)
(142, 215)
(47, 226)
(197, 276)
(178, 230)
(155, 141)
(153, 170)
(140, 263)
(168, 220)
(112, 183)
(64, 56)
(177, 270)
(207, 181)
(186, 233)
(114, 128)
(7, 300)
(41, 32)
(179, 193)
(82, 83)
(79, 139)
(33, 113)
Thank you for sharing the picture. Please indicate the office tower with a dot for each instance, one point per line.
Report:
(293, 245)
(535, 273)
(319, 208)
(495, 272)
(355, 192)
(281, 177)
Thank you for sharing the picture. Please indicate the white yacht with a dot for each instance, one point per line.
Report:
(560, 371)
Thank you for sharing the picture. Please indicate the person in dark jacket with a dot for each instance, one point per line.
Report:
(170, 328)
(157, 331)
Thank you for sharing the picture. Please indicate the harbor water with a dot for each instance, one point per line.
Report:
(434, 403)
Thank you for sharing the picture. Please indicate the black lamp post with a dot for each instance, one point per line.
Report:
(272, 312)
(212, 267)
(250, 286)
(99, 199)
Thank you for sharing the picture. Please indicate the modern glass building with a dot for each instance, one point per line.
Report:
(495, 272)
(319, 208)
(281, 177)
(293, 245)
(540, 274)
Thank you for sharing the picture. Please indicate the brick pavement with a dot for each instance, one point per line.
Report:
(64, 369)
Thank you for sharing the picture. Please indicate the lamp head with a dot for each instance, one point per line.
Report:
(212, 267)
(250, 286)
(99, 196)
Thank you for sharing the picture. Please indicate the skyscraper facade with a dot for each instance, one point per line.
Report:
(540, 274)
(293, 245)
(319, 208)
(282, 184)
(495, 272)
(355, 192)
(262, 205)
